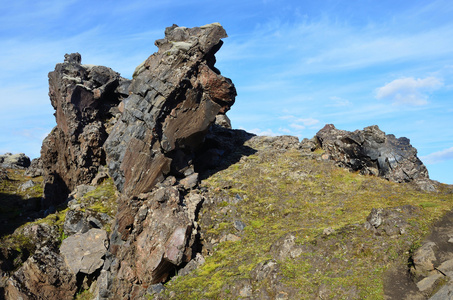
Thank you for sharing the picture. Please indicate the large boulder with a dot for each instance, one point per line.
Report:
(14, 161)
(85, 252)
(370, 151)
(175, 96)
(85, 99)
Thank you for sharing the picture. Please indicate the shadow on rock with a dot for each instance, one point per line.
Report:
(222, 148)
(15, 211)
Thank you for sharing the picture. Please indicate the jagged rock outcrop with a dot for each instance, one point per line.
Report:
(174, 99)
(175, 96)
(85, 98)
(370, 151)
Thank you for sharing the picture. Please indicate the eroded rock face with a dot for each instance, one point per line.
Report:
(84, 97)
(372, 152)
(160, 239)
(174, 98)
(43, 274)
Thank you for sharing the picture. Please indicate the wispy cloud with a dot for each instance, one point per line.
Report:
(438, 157)
(409, 90)
(265, 132)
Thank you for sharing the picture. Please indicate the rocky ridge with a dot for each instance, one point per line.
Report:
(167, 215)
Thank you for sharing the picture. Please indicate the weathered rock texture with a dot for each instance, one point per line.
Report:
(14, 161)
(370, 151)
(44, 274)
(85, 252)
(151, 246)
(85, 98)
(174, 98)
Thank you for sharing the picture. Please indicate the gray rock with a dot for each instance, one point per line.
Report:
(424, 259)
(43, 276)
(155, 289)
(286, 247)
(239, 225)
(14, 161)
(223, 121)
(444, 293)
(81, 190)
(26, 185)
(429, 282)
(84, 253)
(35, 169)
(84, 97)
(391, 221)
(264, 269)
(78, 221)
(190, 181)
(192, 265)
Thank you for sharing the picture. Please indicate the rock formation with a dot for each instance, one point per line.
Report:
(157, 135)
(85, 98)
(175, 96)
(370, 151)
(174, 99)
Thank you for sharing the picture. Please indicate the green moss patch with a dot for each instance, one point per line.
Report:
(286, 192)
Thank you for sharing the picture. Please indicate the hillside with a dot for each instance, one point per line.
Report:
(143, 191)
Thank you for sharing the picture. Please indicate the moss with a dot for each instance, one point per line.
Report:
(103, 199)
(278, 200)
(84, 295)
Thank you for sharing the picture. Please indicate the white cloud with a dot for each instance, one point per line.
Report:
(308, 121)
(409, 90)
(299, 123)
(297, 126)
(338, 102)
(265, 132)
(438, 157)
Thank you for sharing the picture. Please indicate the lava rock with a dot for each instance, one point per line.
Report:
(370, 151)
(175, 96)
(83, 96)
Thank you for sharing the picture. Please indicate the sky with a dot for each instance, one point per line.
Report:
(297, 65)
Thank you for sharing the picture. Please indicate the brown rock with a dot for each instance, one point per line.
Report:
(174, 98)
(43, 276)
(83, 97)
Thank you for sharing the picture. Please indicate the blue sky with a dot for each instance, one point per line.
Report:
(297, 65)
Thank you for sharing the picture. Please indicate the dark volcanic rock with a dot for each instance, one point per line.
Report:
(174, 98)
(85, 97)
(372, 152)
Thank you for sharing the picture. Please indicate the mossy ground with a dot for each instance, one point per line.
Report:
(285, 191)
(102, 199)
(15, 203)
